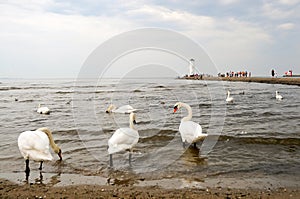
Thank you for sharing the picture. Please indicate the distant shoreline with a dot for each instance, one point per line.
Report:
(268, 80)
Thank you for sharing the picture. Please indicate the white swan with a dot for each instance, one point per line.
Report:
(278, 97)
(43, 110)
(190, 131)
(121, 109)
(123, 139)
(229, 99)
(34, 145)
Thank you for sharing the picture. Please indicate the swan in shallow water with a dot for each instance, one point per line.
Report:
(121, 109)
(229, 99)
(43, 110)
(190, 131)
(123, 139)
(34, 145)
(278, 97)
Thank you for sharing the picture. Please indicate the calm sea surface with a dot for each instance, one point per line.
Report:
(256, 135)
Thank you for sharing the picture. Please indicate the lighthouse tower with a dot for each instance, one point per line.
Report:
(191, 66)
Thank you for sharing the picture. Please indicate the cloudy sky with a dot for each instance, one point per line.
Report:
(49, 38)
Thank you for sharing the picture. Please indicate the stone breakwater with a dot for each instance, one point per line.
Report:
(268, 80)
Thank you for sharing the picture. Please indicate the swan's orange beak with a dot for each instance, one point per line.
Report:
(175, 109)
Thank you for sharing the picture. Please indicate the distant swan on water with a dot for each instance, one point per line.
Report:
(190, 131)
(123, 139)
(121, 109)
(229, 99)
(43, 110)
(278, 97)
(34, 145)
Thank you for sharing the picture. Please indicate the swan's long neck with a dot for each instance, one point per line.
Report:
(55, 148)
(111, 108)
(131, 124)
(190, 113)
(228, 94)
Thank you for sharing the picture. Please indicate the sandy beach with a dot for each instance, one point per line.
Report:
(268, 80)
(11, 190)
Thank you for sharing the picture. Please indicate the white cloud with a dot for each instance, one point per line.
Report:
(163, 14)
(32, 37)
(228, 2)
(286, 26)
(289, 2)
(275, 10)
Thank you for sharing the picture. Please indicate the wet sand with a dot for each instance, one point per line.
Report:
(80, 186)
(11, 190)
(269, 80)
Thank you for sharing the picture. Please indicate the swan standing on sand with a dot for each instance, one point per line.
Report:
(190, 131)
(229, 99)
(278, 97)
(123, 139)
(34, 145)
(122, 109)
(43, 110)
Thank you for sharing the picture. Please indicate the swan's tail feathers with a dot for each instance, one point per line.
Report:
(200, 137)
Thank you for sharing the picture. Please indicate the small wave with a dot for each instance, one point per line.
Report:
(268, 113)
(29, 100)
(262, 140)
(137, 91)
(10, 88)
(63, 92)
(67, 132)
(204, 105)
(159, 86)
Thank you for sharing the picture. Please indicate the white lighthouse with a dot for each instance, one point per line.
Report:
(191, 66)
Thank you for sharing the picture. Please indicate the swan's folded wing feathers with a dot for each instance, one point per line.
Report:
(189, 131)
(122, 139)
(35, 145)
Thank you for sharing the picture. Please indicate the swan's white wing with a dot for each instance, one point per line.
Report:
(43, 110)
(34, 145)
(190, 131)
(279, 97)
(122, 139)
(125, 109)
(229, 99)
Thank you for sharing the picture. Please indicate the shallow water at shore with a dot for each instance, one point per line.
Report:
(257, 135)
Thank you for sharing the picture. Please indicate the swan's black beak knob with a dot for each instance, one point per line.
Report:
(175, 109)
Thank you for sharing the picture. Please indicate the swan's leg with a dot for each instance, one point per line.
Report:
(183, 144)
(27, 170)
(41, 165)
(110, 160)
(41, 177)
(130, 158)
(27, 166)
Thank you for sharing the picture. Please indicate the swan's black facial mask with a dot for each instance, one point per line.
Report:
(175, 109)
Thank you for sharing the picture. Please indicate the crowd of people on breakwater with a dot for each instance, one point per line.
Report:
(235, 74)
